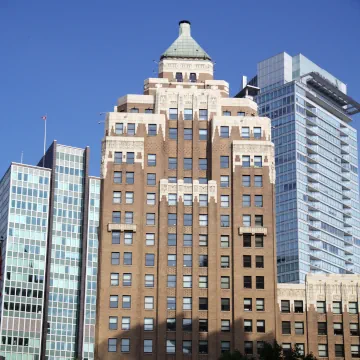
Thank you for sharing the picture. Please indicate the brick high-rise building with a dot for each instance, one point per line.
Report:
(187, 223)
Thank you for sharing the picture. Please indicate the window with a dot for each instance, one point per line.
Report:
(258, 161)
(246, 220)
(202, 134)
(224, 181)
(150, 219)
(321, 307)
(247, 282)
(127, 279)
(259, 260)
(322, 328)
(245, 132)
(286, 349)
(172, 179)
(260, 284)
(134, 110)
(187, 220)
(203, 347)
(224, 162)
(299, 328)
(187, 324)
(149, 302)
(203, 240)
(203, 325)
(148, 324)
(257, 132)
(225, 220)
(248, 347)
(114, 279)
(117, 177)
(150, 199)
(125, 345)
(119, 128)
(151, 160)
(260, 304)
(224, 241)
(338, 329)
(115, 258)
(203, 220)
(260, 326)
(129, 217)
(225, 282)
(148, 346)
(226, 113)
(225, 346)
(298, 306)
(203, 200)
(258, 181)
(339, 350)
(125, 323)
(240, 113)
(355, 351)
(188, 114)
(171, 281)
(322, 350)
(150, 239)
(187, 260)
(247, 304)
(259, 240)
(245, 161)
(247, 261)
(246, 180)
(173, 133)
(171, 303)
(126, 302)
(203, 261)
(187, 134)
(117, 157)
(117, 197)
(149, 280)
(337, 307)
(129, 197)
(112, 345)
(187, 281)
(129, 177)
(246, 200)
(202, 164)
(187, 180)
(225, 201)
(171, 239)
(171, 260)
(353, 308)
(259, 347)
(113, 323)
(203, 114)
(116, 217)
(151, 179)
(172, 199)
(115, 237)
(187, 303)
(259, 220)
(247, 240)
(285, 306)
(152, 130)
(114, 301)
(203, 303)
(225, 325)
(192, 77)
(225, 261)
(187, 163)
(286, 328)
(224, 131)
(172, 163)
(170, 324)
(186, 346)
(187, 199)
(179, 77)
(187, 239)
(149, 259)
(170, 346)
(354, 329)
(225, 304)
(203, 282)
(258, 201)
(130, 157)
(131, 129)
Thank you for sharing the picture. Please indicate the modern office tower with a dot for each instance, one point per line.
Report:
(49, 220)
(317, 194)
(187, 253)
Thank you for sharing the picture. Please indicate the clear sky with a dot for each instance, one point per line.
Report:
(72, 59)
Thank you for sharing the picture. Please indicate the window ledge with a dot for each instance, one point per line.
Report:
(121, 227)
(252, 230)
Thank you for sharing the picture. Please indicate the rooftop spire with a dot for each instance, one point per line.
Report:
(185, 46)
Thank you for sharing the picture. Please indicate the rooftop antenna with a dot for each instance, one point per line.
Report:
(22, 155)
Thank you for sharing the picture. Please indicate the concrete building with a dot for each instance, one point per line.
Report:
(48, 227)
(316, 157)
(187, 221)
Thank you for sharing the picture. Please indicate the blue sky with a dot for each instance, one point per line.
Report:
(73, 59)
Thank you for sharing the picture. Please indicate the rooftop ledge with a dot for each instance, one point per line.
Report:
(121, 227)
(252, 230)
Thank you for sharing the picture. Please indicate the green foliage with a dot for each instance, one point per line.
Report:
(235, 355)
(275, 352)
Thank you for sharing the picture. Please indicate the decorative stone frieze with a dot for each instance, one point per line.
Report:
(121, 227)
(252, 230)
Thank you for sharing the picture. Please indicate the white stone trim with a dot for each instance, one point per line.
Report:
(252, 230)
(136, 99)
(186, 67)
(243, 102)
(121, 227)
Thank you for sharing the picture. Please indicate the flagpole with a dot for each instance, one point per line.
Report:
(44, 139)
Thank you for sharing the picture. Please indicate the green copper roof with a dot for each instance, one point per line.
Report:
(185, 46)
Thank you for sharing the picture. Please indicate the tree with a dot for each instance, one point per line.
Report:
(271, 352)
(235, 355)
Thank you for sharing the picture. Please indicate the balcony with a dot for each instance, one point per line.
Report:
(121, 227)
(312, 148)
(313, 167)
(252, 230)
(313, 158)
(313, 187)
(312, 138)
(311, 120)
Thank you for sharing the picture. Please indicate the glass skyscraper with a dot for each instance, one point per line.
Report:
(48, 227)
(317, 190)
